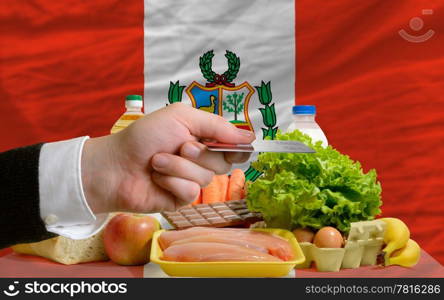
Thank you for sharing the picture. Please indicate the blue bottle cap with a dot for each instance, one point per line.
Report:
(304, 110)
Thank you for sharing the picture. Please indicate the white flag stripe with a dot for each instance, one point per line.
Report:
(260, 32)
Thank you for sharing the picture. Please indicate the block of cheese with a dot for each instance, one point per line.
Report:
(65, 250)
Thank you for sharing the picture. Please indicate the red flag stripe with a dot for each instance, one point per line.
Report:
(66, 67)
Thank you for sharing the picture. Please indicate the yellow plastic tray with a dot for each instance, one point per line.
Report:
(232, 268)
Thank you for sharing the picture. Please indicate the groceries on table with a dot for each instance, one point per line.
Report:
(306, 210)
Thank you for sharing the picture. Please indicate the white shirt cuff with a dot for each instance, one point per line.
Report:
(63, 206)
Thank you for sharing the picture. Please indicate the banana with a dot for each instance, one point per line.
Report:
(396, 236)
(407, 256)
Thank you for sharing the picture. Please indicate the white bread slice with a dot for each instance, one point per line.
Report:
(67, 251)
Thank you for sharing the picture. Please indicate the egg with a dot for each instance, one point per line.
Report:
(303, 235)
(328, 237)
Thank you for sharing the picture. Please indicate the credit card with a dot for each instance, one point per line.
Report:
(261, 146)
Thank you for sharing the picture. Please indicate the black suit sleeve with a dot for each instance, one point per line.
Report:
(20, 220)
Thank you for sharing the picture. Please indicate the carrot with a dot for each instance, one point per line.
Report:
(198, 199)
(224, 180)
(236, 185)
(216, 191)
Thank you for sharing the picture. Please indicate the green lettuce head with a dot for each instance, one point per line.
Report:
(326, 188)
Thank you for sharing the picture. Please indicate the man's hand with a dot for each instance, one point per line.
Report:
(157, 163)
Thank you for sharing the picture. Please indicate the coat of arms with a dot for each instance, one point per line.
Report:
(220, 95)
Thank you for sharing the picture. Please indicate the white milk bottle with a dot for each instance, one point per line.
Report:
(304, 121)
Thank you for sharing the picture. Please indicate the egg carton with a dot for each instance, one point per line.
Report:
(361, 248)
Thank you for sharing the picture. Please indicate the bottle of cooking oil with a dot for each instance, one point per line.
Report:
(134, 105)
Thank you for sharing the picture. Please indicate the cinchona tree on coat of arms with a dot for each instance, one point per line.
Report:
(220, 95)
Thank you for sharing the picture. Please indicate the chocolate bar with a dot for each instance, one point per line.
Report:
(220, 214)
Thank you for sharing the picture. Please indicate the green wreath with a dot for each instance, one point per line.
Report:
(206, 64)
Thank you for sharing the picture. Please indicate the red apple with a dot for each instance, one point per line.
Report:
(127, 238)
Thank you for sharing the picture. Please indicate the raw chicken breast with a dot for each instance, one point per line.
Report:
(274, 245)
(220, 239)
(206, 252)
(168, 237)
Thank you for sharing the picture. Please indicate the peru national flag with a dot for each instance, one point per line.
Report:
(374, 69)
